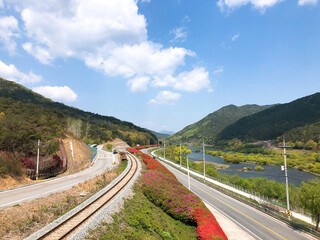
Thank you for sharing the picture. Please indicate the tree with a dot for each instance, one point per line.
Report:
(184, 152)
(311, 145)
(309, 197)
(75, 125)
(15, 135)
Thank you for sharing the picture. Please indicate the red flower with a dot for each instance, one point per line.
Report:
(208, 227)
(163, 189)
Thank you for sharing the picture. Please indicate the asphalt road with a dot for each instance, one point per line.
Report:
(102, 162)
(259, 225)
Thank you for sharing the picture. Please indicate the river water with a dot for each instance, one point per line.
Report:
(295, 176)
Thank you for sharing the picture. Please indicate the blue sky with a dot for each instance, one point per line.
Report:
(162, 64)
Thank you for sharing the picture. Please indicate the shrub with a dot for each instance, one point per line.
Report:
(58, 160)
(258, 168)
(162, 188)
(10, 164)
(207, 225)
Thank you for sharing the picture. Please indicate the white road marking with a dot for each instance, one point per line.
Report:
(246, 229)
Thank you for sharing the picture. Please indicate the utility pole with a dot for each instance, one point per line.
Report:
(204, 162)
(164, 149)
(180, 153)
(38, 154)
(286, 174)
(188, 173)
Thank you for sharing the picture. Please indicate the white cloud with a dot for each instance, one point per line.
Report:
(235, 37)
(10, 72)
(166, 97)
(40, 53)
(307, 2)
(258, 4)
(186, 19)
(218, 70)
(192, 81)
(57, 93)
(9, 29)
(110, 36)
(180, 34)
(77, 27)
(141, 59)
(139, 83)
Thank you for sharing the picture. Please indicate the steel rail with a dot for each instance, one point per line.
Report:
(75, 221)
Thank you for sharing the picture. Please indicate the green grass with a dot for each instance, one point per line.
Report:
(141, 219)
(122, 166)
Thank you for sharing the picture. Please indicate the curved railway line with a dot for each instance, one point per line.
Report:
(77, 220)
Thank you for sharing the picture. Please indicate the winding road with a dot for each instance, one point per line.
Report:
(101, 163)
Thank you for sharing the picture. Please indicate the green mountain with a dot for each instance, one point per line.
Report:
(210, 126)
(26, 116)
(159, 135)
(275, 121)
(303, 134)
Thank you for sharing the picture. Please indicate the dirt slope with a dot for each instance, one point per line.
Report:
(81, 155)
(7, 181)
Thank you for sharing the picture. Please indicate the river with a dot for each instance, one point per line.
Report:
(271, 172)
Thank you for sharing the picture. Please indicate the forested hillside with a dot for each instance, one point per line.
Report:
(26, 116)
(209, 127)
(306, 137)
(275, 121)
(159, 135)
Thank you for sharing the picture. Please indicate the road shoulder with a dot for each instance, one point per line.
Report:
(231, 229)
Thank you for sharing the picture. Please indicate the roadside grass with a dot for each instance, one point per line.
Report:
(122, 166)
(21, 220)
(141, 219)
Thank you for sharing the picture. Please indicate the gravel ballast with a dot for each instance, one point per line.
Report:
(103, 215)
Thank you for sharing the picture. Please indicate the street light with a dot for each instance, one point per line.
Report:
(164, 150)
(188, 173)
(37, 171)
(180, 153)
(286, 174)
(204, 163)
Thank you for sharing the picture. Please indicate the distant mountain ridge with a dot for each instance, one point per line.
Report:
(276, 121)
(208, 128)
(167, 132)
(159, 135)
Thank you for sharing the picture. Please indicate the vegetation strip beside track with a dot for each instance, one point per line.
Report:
(83, 213)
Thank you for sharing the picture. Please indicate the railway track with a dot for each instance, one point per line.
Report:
(73, 223)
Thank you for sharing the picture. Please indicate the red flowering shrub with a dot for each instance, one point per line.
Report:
(31, 154)
(27, 163)
(132, 150)
(207, 226)
(161, 187)
(58, 160)
(167, 193)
